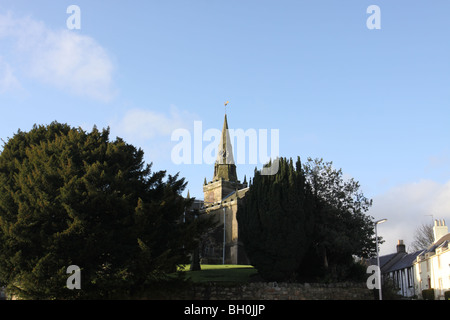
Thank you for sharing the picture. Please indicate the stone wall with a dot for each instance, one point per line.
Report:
(281, 291)
(268, 291)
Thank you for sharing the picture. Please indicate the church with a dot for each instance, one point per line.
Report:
(222, 195)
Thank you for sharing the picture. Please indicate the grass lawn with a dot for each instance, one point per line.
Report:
(228, 273)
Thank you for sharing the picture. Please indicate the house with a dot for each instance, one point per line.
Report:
(401, 272)
(398, 267)
(432, 266)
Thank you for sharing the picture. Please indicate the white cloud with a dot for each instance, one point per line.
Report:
(8, 80)
(61, 58)
(408, 206)
(441, 203)
(152, 130)
(147, 124)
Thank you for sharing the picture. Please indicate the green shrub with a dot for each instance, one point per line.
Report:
(447, 295)
(428, 294)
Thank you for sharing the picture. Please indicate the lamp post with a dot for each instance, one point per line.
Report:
(378, 256)
(224, 235)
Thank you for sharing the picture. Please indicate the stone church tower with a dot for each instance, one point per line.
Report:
(221, 198)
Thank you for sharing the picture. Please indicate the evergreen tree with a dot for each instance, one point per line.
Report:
(305, 223)
(276, 220)
(68, 197)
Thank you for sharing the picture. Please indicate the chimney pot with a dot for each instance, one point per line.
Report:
(401, 247)
(439, 229)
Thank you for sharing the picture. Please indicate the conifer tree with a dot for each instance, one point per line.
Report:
(305, 222)
(275, 221)
(70, 197)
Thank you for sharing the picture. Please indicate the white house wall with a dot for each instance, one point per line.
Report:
(436, 268)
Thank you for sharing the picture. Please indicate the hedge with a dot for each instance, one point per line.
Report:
(428, 294)
(447, 295)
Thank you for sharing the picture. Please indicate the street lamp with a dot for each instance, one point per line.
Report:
(378, 256)
(224, 235)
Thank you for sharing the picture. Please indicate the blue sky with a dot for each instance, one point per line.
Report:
(375, 102)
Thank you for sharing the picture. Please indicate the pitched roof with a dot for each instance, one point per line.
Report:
(405, 261)
(396, 261)
(442, 242)
(385, 261)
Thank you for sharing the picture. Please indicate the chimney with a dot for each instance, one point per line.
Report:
(401, 247)
(439, 229)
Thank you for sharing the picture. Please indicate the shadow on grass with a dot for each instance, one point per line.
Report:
(177, 286)
(230, 274)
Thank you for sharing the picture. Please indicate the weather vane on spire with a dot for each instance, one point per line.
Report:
(226, 103)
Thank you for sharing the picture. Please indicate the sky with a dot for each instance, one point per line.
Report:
(311, 74)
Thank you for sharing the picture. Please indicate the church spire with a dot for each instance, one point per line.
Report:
(224, 168)
(225, 152)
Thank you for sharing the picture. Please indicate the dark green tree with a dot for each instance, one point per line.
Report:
(306, 223)
(276, 221)
(70, 197)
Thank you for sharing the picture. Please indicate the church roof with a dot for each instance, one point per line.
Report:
(224, 168)
(225, 152)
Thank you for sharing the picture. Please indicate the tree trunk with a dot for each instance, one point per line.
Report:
(195, 263)
(325, 259)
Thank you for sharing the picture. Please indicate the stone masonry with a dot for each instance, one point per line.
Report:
(281, 291)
